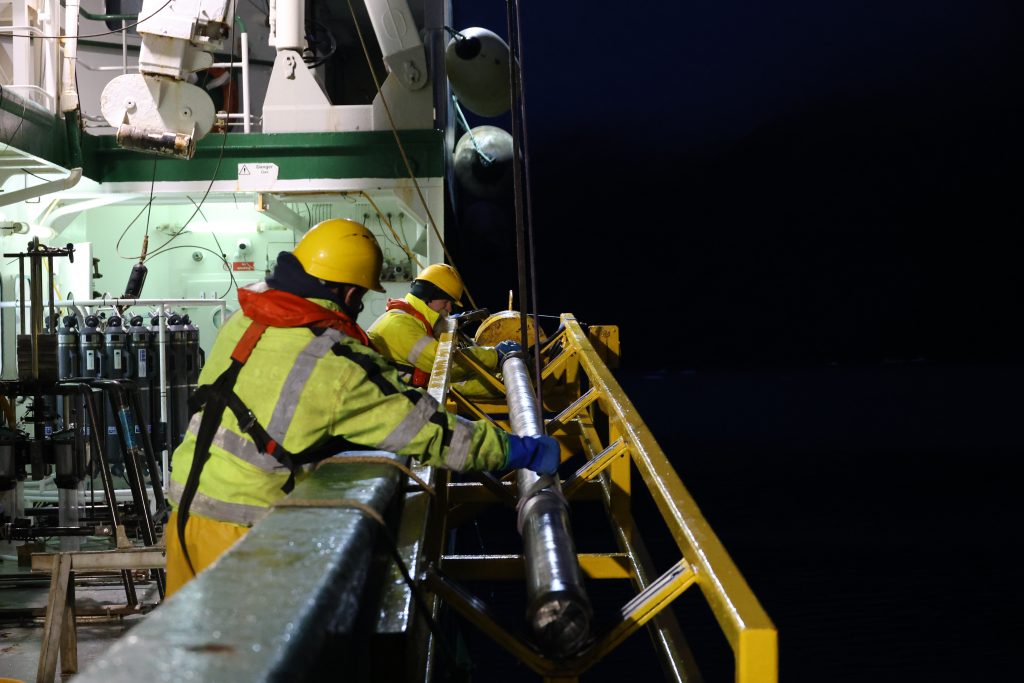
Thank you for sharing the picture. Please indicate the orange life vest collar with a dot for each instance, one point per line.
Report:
(277, 308)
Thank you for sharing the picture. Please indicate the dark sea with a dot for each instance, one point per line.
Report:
(874, 511)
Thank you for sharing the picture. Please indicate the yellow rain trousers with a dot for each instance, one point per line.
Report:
(207, 539)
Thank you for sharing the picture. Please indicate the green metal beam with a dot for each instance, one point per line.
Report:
(297, 155)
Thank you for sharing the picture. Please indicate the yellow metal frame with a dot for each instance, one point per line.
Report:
(597, 420)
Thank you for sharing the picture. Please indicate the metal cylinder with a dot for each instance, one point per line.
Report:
(558, 609)
(115, 350)
(143, 367)
(115, 366)
(90, 348)
(194, 354)
(12, 442)
(161, 422)
(178, 377)
(290, 31)
(69, 467)
(69, 406)
(9, 440)
(90, 364)
(67, 348)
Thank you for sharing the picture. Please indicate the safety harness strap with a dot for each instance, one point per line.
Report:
(213, 400)
(420, 378)
(213, 410)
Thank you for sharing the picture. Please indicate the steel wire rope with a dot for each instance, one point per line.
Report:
(392, 240)
(401, 149)
(521, 183)
(220, 156)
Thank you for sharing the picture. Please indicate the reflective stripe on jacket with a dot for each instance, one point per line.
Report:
(420, 378)
(402, 339)
(307, 389)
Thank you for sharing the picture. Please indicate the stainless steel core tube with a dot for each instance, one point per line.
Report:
(558, 609)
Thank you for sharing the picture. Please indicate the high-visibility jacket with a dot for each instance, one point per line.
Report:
(308, 388)
(402, 338)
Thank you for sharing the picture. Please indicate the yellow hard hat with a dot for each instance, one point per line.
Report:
(445, 278)
(340, 250)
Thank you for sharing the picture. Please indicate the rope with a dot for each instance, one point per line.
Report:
(331, 503)
(488, 159)
(401, 149)
(392, 545)
(380, 460)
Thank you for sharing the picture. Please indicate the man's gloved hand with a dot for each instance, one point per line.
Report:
(538, 453)
(506, 347)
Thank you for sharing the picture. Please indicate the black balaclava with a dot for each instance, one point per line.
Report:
(428, 291)
(289, 276)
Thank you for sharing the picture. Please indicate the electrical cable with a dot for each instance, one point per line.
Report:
(330, 52)
(213, 179)
(260, 9)
(220, 156)
(380, 224)
(25, 170)
(117, 247)
(387, 221)
(223, 255)
(17, 129)
(123, 29)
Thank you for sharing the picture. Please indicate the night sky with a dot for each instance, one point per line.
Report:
(795, 182)
(805, 217)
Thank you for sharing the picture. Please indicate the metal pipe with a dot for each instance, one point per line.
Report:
(290, 32)
(111, 302)
(22, 323)
(557, 606)
(51, 324)
(245, 83)
(124, 46)
(36, 304)
(69, 88)
(165, 419)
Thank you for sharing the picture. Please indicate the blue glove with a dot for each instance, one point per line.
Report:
(506, 347)
(538, 453)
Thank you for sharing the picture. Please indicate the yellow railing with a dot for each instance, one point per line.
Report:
(595, 419)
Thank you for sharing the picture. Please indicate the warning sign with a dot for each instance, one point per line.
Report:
(243, 265)
(257, 176)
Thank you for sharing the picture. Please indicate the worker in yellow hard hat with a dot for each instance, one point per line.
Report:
(406, 334)
(291, 379)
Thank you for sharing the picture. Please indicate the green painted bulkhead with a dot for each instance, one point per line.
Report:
(297, 155)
